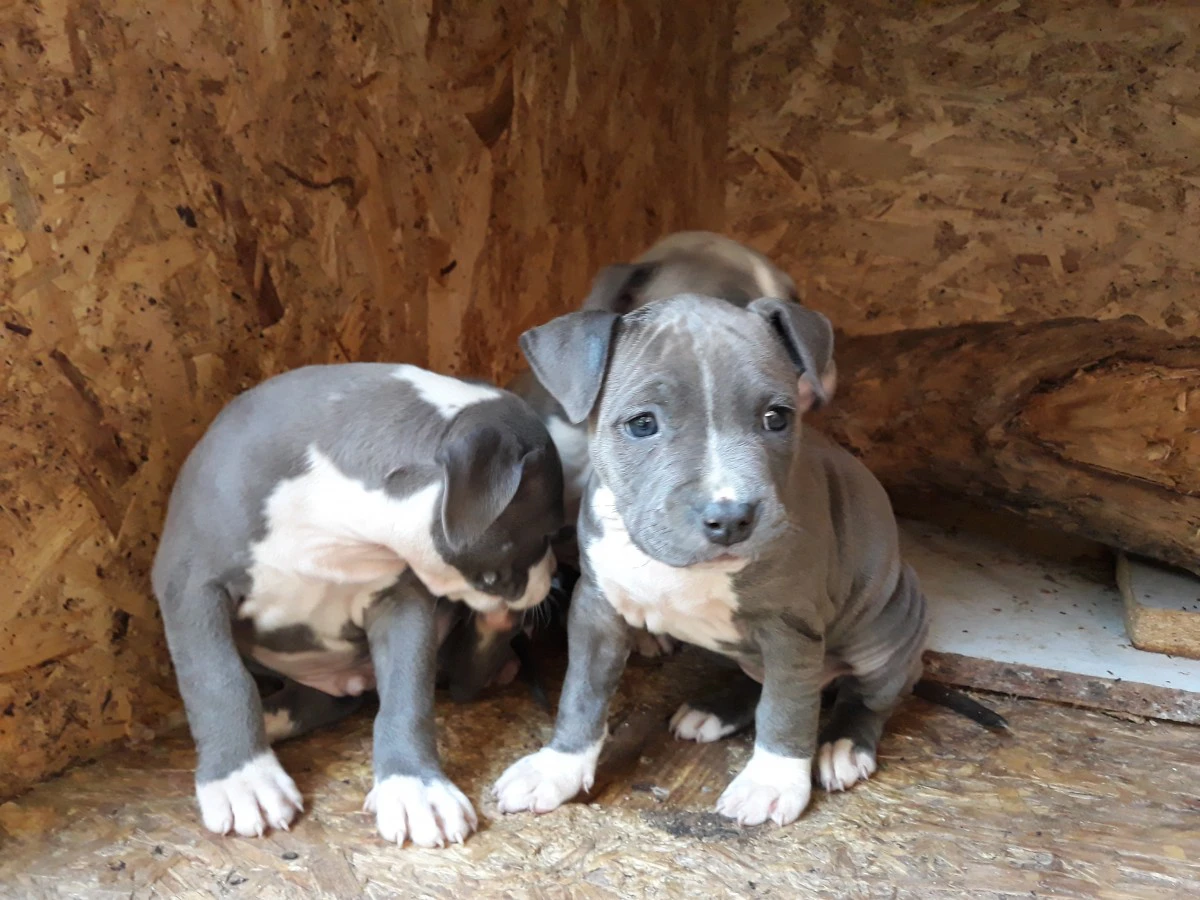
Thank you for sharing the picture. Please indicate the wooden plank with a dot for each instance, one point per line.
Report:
(1162, 607)
(1060, 686)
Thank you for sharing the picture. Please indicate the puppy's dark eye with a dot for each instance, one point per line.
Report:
(487, 579)
(641, 426)
(777, 418)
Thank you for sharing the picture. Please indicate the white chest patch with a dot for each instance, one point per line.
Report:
(571, 443)
(695, 604)
(331, 544)
(448, 395)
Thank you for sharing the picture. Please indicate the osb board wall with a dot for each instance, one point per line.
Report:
(923, 164)
(194, 196)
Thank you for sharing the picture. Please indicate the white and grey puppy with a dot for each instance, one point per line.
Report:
(686, 262)
(713, 515)
(308, 537)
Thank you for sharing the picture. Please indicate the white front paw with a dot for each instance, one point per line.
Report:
(689, 724)
(840, 765)
(770, 787)
(652, 645)
(546, 780)
(430, 814)
(258, 794)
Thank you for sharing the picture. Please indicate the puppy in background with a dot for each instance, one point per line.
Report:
(307, 539)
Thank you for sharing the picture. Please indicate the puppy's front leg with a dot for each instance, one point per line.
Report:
(598, 643)
(411, 798)
(777, 781)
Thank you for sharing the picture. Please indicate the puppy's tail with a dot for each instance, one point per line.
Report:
(940, 694)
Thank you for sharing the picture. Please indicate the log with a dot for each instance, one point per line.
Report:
(1089, 426)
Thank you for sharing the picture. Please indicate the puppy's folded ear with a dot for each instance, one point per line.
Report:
(569, 356)
(808, 338)
(482, 469)
(614, 289)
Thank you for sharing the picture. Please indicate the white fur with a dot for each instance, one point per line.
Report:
(546, 780)
(714, 466)
(278, 724)
(572, 446)
(258, 795)
(770, 787)
(429, 815)
(841, 765)
(690, 724)
(331, 545)
(448, 395)
(694, 604)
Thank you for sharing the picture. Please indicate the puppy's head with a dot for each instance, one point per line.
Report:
(690, 262)
(501, 503)
(694, 407)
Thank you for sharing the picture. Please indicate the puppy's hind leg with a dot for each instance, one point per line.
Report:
(719, 713)
(297, 709)
(885, 663)
(240, 784)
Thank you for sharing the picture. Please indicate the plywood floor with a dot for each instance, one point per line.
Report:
(1072, 804)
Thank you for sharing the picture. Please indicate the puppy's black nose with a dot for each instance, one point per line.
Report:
(728, 522)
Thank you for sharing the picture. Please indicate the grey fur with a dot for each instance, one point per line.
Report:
(503, 504)
(823, 588)
(686, 262)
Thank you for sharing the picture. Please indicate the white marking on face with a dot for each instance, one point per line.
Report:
(278, 724)
(694, 604)
(547, 779)
(448, 395)
(714, 466)
(429, 815)
(725, 493)
(771, 786)
(840, 765)
(258, 795)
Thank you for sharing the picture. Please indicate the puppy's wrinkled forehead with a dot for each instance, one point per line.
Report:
(697, 340)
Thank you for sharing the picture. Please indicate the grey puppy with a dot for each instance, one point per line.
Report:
(714, 516)
(308, 537)
(686, 262)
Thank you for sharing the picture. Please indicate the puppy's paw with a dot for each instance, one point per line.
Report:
(428, 813)
(248, 801)
(546, 780)
(841, 765)
(691, 724)
(770, 787)
(653, 645)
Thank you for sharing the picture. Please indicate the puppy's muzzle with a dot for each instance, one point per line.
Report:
(728, 522)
